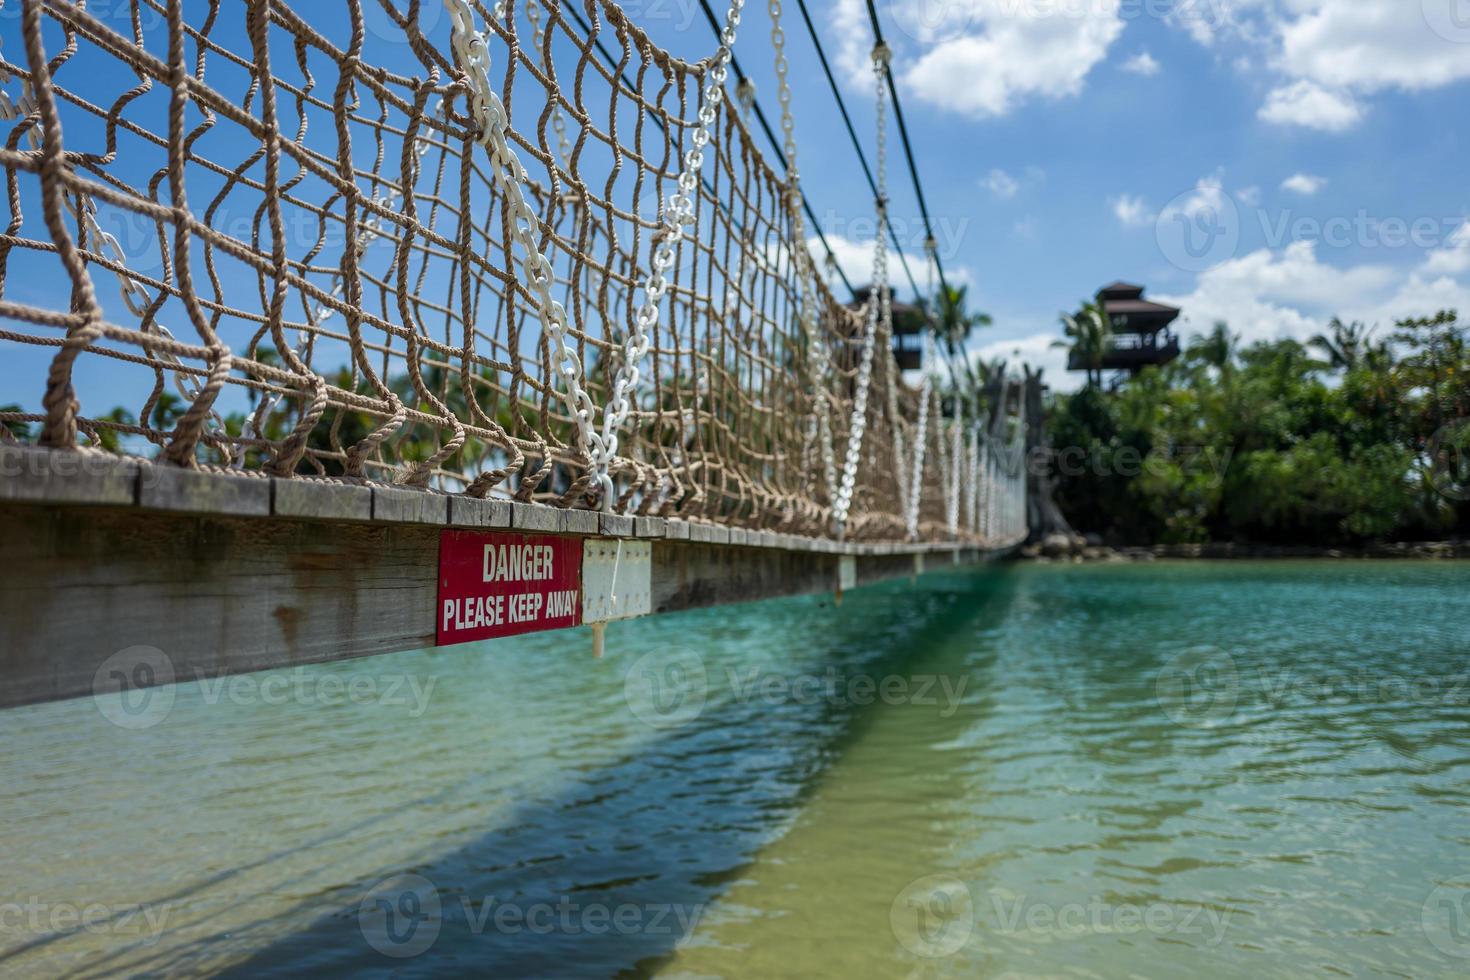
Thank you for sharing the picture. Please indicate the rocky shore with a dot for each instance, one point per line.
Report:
(1090, 548)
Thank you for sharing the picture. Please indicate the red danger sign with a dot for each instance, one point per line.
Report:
(500, 584)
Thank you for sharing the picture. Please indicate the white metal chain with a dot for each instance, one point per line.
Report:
(879, 305)
(900, 450)
(510, 175)
(956, 465)
(972, 484)
(678, 211)
(916, 475)
(805, 268)
(558, 118)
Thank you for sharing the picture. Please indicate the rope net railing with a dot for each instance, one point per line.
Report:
(516, 251)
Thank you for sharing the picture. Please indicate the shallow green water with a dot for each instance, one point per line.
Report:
(1219, 770)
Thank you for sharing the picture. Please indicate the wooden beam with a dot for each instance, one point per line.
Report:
(230, 574)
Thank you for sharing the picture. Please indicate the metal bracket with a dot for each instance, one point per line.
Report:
(617, 580)
(846, 576)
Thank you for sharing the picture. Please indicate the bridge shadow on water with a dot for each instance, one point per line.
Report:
(609, 875)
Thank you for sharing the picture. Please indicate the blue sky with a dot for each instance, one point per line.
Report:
(1063, 142)
(1315, 149)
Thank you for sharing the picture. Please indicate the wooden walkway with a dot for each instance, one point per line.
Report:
(228, 574)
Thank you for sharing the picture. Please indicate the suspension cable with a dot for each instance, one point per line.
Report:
(851, 132)
(908, 150)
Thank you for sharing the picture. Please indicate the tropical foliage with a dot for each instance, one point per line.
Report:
(1343, 440)
(1088, 334)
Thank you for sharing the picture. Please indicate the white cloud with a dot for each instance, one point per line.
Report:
(1454, 258)
(1143, 64)
(987, 56)
(1374, 44)
(1037, 351)
(1131, 211)
(1001, 184)
(1305, 103)
(1304, 184)
(1291, 293)
(1207, 198)
(1330, 54)
(854, 258)
(1249, 196)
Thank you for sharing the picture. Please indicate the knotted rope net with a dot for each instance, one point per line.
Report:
(428, 244)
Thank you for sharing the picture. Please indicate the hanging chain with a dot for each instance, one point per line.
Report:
(805, 268)
(558, 118)
(916, 474)
(510, 175)
(957, 404)
(678, 211)
(879, 306)
(972, 469)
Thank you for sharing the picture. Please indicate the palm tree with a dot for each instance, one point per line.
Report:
(1089, 334)
(1216, 348)
(953, 323)
(1346, 346)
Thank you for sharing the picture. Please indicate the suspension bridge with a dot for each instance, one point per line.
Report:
(334, 330)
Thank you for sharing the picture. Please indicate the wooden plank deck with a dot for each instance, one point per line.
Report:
(229, 574)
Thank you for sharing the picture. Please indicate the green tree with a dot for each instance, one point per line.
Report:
(1089, 334)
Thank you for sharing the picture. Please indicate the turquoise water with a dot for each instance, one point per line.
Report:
(1231, 770)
